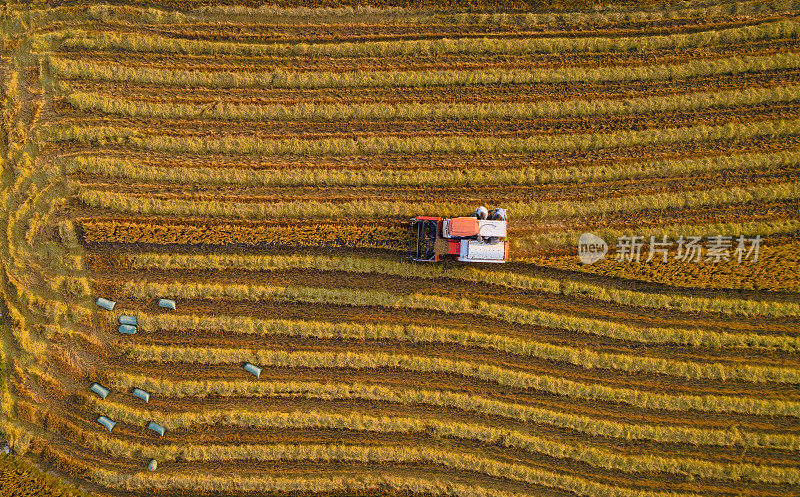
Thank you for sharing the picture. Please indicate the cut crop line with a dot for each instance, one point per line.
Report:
(371, 483)
(441, 111)
(585, 357)
(501, 376)
(142, 204)
(620, 331)
(130, 42)
(269, 15)
(732, 436)
(561, 286)
(389, 144)
(594, 456)
(66, 68)
(115, 167)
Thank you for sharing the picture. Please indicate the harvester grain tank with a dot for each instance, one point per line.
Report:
(477, 238)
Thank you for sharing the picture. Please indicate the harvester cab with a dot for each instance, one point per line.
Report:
(477, 238)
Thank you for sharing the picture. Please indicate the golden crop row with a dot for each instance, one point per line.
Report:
(117, 167)
(342, 296)
(482, 371)
(71, 40)
(583, 357)
(377, 209)
(364, 483)
(437, 111)
(390, 144)
(562, 286)
(569, 238)
(68, 464)
(593, 426)
(67, 68)
(224, 15)
(459, 5)
(331, 452)
(364, 235)
(326, 453)
(515, 439)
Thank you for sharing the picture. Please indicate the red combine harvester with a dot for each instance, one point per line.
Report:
(479, 238)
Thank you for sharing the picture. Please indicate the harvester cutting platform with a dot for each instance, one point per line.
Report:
(478, 238)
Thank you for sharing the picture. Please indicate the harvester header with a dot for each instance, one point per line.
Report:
(477, 238)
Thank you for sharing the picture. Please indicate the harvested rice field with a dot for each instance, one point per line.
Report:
(208, 279)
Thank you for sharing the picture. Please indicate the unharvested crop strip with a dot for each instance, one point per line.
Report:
(66, 68)
(581, 357)
(502, 376)
(437, 111)
(128, 42)
(515, 439)
(569, 238)
(340, 296)
(387, 236)
(140, 204)
(117, 167)
(732, 436)
(562, 286)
